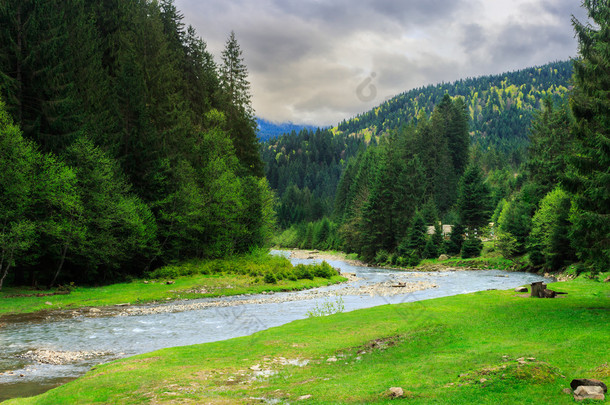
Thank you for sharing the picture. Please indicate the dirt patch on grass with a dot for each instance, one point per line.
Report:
(602, 371)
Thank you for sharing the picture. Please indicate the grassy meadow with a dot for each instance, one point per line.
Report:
(463, 349)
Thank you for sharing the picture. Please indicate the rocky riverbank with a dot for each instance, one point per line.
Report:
(396, 286)
(56, 358)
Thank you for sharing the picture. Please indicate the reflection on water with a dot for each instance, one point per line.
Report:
(129, 335)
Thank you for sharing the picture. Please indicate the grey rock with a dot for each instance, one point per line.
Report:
(521, 289)
(304, 397)
(443, 257)
(585, 392)
(396, 392)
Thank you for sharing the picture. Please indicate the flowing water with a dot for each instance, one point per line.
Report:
(113, 337)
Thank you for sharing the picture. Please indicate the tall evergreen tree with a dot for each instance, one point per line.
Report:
(473, 200)
(589, 177)
(234, 82)
(550, 145)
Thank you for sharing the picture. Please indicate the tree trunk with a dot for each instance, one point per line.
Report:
(6, 269)
(64, 251)
(538, 289)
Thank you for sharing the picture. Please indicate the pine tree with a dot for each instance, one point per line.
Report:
(234, 82)
(473, 200)
(550, 143)
(589, 176)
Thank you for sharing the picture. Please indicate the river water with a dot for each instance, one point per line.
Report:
(120, 336)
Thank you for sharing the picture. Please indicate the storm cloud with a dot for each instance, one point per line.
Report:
(308, 58)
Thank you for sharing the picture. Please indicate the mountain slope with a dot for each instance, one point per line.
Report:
(500, 106)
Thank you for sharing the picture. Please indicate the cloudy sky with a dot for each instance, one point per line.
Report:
(318, 62)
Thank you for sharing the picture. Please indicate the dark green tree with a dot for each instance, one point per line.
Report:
(456, 239)
(242, 126)
(549, 243)
(17, 176)
(589, 173)
(473, 200)
(550, 145)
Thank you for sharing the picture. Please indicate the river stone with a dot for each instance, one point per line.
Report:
(396, 392)
(443, 257)
(589, 392)
(577, 382)
(521, 289)
(607, 280)
(304, 397)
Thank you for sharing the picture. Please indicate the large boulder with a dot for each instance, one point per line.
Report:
(585, 392)
(587, 382)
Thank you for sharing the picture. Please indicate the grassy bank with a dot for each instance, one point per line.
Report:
(455, 350)
(249, 274)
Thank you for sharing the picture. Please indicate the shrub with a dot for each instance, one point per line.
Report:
(324, 270)
(472, 247)
(270, 278)
(302, 272)
(381, 257)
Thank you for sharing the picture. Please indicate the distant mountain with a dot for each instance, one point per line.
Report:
(500, 107)
(304, 167)
(268, 130)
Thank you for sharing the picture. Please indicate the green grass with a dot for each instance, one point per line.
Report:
(453, 350)
(197, 279)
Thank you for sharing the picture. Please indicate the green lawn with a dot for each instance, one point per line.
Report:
(454, 350)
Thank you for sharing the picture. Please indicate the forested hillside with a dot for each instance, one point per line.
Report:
(123, 144)
(500, 108)
(304, 168)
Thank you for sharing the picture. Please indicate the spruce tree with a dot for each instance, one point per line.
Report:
(550, 143)
(589, 174)
(236, 87)
(473, 200)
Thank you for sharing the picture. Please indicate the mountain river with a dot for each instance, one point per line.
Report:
(39, 352)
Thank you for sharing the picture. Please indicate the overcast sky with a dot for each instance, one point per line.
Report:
(318, 62)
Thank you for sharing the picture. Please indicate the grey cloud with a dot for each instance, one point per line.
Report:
(473, 37)
(307, 57)
(346, 16)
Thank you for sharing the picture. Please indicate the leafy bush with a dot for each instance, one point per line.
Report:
(324, 270)
(382, 257)
(302, 272)
(270, 278)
